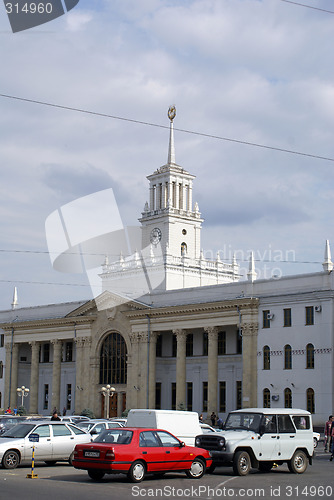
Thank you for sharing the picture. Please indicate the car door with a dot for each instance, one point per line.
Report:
(63, 441)
(178, 456)
(43, 448)
(287, 436)
(270, 439)
(157, 457)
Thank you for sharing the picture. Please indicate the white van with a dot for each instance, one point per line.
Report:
(183, 424)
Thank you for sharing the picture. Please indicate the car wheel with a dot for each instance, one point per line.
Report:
(197, 469)
(265, 466)
(241, 463)
(96, 475)
(137, 471)
(10, 460)
(50, 462)
(315, 442)
(71, 457)
(298, 463)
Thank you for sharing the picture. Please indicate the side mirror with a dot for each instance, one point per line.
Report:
(182, 444)
(94, 431)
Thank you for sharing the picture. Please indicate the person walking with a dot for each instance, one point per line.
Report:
(55, 416)
(213, 417)
(328, 428)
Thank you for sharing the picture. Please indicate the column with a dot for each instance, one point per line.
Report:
(135, 385)
(57, 348)
(190, 198)
(86, 400)
(143, 393)
(79, 343)
(181, 337)
(151, 198)
(177, 194)
(152, 369)
(14, 373)
(249, 364)
(34, 376)
(212, 369)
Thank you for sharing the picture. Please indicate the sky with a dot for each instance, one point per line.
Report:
(238, 72)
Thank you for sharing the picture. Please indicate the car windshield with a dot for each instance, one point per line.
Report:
(117, 436)
(18, 431)
(249, 421)
(85, 425)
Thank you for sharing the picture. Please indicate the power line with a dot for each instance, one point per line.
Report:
(140, 122)
(308, 6)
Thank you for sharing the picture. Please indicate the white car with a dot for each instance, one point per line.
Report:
(56, 441)
(98, 425)
(207, 429)
(316, 437)
(260, 438)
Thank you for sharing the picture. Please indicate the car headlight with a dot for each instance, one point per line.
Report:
(198, 441)
(222, 442)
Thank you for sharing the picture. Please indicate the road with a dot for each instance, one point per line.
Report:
(62, 482)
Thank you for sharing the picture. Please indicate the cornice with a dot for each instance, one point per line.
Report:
(49, 323)
(221, 306)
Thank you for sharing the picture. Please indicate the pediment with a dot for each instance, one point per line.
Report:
(106, 300)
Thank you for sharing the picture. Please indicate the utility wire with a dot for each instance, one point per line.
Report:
(308, 6)
(105, 115)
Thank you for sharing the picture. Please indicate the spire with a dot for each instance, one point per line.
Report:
(15, 302)
(327, 264)
(251, 275)
(171, 148)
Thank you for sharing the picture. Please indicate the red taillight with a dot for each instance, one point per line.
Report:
(110, 454)
(75, 451)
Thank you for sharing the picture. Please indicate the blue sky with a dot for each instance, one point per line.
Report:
(253, 71)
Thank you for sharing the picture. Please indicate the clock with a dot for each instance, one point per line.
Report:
(155, 236)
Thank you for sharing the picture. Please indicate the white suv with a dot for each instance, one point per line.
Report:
(260, 438)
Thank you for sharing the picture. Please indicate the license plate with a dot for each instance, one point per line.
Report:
(93, 454)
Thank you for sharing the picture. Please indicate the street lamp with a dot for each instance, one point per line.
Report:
(108, 392)
(23, 392)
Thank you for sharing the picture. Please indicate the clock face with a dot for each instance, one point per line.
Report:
(155, 236)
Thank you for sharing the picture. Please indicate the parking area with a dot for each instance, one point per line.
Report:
(62, 480)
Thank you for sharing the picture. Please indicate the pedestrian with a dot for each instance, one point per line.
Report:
(200, 418)
(64, 411)
(213, 417)
(220, 423)
(328, 427)
(55, 416)
(15, 410)
(332, 443)
(9, 411)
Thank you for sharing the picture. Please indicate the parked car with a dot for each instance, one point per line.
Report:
(207, 429)
(75, 419)
(137, 452)
(316, 438)
(8, 421)
(121, 420)
(260, 437)
(56, 442)
(98, 425)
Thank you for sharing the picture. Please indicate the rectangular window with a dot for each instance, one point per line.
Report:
(239, 341)
(205, 343)
(287, 317)
(190, 345)
(69, 397)
(265, 319)
(221, 343)
(309, 312)
(46, 397)
(189, 396)
(173, 396)
(239, 394)
(222, 396)
(69, 351)
(205, 397)
(2, 340)
(159, 346)
(158, 395)
(46, 353)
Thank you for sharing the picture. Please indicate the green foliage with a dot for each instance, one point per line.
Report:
(87, 412)
(21, 410)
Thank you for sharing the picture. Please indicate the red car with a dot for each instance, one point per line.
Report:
(137, 451)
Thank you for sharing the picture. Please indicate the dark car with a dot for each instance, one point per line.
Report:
(137, 452)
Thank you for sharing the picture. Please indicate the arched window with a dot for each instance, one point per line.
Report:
(287, 358)
(266, 398)
(113, 360)
(266, 357)
(287, 398)
(310, 403)
(310, 356)
(183, 249)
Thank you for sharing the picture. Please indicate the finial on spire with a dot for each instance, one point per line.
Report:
(15, 302)
(171, 148)
(251, 275)
(327, 264)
